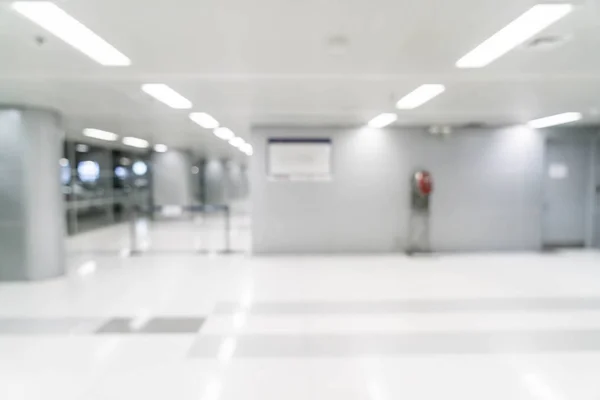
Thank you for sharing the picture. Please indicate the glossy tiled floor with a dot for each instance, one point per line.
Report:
(174, 324)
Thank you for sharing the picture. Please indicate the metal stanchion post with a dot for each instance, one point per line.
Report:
(133, 239)
(227, 230)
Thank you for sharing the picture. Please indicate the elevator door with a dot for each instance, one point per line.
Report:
(566, 191)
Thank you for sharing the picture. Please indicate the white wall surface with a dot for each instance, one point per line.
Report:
(172, 178)
(487, 193)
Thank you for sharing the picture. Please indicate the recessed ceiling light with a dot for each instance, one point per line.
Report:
(383, 120)
(100, 134)
(553, 120)
(224, 133)
(533, 21)
(420, 96)
(160, 148)
(237, 141)
(204, 120)
(136, 142)
(165, 94)
(56, 21)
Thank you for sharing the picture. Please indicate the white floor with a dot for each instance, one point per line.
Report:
(486, 326)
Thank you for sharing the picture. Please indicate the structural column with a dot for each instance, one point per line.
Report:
(32, 218)
(173, 178)
(215, 182)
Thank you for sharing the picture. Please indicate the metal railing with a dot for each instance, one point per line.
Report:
(174, 212)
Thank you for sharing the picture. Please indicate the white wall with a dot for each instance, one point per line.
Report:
(487, 192)
(172, 178)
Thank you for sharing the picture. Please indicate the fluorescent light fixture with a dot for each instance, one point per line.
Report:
(533, 21)
(135, 142)
(160, 148)
(383, 120)
(204, 120)
(224, 133)
(247, 149)
(420, 96)
(165, 94)
(100, 135)
(56, 21)
(237, 142)
(557, 119)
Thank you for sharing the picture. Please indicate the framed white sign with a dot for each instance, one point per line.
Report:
(299, 159)
(558, 171)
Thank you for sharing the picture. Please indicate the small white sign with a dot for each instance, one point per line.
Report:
(300, 160)
(558, 171)
(172, 211)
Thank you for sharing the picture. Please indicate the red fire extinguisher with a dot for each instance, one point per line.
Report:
(423, 183)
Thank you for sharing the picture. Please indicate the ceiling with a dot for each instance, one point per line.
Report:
(272, 62)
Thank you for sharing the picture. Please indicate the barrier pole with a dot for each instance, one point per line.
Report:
(227, 230)
(133, 239)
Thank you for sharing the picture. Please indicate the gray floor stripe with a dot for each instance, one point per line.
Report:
(152, 326)
(418, 306)
(267, 346)
(49, 326)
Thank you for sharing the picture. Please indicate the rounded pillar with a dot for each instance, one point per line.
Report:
(32, 223)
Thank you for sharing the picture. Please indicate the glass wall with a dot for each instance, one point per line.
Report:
(101, 185)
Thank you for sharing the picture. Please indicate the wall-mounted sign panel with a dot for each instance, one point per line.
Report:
(558, 171)
(299, 159)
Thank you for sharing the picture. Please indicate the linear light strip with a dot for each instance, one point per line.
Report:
(224, 133)
(136, 142)
(166, 95)
(533, 21)
(383, 120)
(204, 120)
(420, 96)
(553, 120)
(237, 142)
(160, 148)
(100, 134)
(56, 21)
(247, 149)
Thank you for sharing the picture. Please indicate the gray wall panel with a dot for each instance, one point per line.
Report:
(224, 181)
(172, 178)
(215, 182)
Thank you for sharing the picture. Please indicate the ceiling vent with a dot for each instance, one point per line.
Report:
(338, 45)
(474, 125)
(545, 43)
